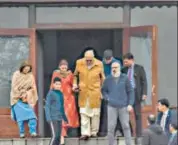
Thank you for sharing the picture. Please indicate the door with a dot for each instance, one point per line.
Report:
(141, 41)
(16, 45)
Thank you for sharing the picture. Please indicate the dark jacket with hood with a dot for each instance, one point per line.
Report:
(154, 135)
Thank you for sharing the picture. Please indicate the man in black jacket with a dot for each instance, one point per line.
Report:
(173, 129)
(137, 77)
(154, 134)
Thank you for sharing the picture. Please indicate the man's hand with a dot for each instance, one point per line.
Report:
(129, 108)
(144, 97)
(66, 122)
(75, 88)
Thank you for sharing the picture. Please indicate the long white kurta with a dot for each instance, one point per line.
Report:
(89, 127)
(90, 119)
(90, 112)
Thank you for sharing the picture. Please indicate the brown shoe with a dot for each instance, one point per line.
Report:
(84, 137)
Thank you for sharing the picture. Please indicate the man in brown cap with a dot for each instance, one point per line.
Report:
(89, 70)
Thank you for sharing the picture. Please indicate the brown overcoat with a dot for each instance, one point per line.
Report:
(90, 82)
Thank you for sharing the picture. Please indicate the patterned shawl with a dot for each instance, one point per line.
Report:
(23, 83)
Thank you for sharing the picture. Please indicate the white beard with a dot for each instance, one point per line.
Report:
(117, 74)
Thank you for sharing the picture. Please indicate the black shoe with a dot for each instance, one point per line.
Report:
(94, 136)
(85, 137)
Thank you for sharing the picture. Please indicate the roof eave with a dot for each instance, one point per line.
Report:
(88, 3)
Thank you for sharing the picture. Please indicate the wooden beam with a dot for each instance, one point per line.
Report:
(78, 26)
(31, 15)
(14, 32)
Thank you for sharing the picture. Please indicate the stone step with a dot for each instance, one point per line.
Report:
(68, 141)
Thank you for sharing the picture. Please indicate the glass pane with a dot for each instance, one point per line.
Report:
(141, 47)
(13, 50)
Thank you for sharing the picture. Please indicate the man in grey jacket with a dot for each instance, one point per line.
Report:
(117, 90)
(154, 134)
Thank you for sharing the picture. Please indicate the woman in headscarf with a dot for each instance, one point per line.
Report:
(69, 100)
(23, 99)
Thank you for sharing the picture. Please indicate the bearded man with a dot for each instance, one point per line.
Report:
(90, 73)
(117, 90)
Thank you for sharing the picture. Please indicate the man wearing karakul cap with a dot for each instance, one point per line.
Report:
(91, 76)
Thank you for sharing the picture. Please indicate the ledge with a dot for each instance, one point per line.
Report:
(68, 141)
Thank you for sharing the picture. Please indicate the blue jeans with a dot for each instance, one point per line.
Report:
(32, 124)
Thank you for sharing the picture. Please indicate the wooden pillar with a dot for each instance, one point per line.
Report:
(126, 47)
(31, 15)
(127, 22)
(126, 14)
(38, 69)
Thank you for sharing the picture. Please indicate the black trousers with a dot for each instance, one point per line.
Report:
(138, 115)
(56, 127)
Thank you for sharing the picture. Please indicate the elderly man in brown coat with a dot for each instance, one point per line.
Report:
(90, 73)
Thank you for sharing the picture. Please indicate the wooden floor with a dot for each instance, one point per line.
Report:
(68, 141)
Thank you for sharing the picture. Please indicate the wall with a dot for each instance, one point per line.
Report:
(76, 15)
(166, 20)
(13, 17)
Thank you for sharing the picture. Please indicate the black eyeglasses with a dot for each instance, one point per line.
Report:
(89, 60)
(114, 67)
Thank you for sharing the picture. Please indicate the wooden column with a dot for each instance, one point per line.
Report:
(38, 69)
(126, 14)
(127, 22)
(31, 15)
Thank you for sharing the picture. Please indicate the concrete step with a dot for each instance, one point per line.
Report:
(68, 141)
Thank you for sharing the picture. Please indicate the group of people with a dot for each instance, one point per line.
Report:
(162, 130)
(105, 90)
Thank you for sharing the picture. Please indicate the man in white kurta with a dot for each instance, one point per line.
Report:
(90, 73)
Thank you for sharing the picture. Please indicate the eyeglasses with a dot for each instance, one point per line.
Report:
(88, 60)
(114, 67)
